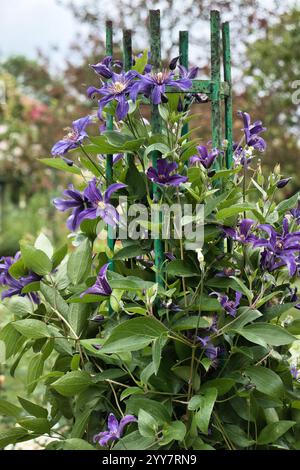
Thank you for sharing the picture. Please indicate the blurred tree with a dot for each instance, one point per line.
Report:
(272, 73)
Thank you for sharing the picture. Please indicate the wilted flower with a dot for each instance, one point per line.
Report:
(204, 157)
(115, 429)
(116, 89)
(230, 306)
(74, 137)
(101, 286)
(162, 175)
(153, 85)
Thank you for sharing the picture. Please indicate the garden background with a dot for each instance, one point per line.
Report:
(43, 63)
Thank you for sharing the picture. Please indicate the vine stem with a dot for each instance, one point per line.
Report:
(92, 162)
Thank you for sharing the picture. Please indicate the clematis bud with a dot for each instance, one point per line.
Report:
(282, 183)
(173, 63)
(180, 105)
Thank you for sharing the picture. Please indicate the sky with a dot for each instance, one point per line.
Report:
(30, 24)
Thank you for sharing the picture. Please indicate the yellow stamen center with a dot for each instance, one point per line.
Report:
(101, 205)
(119, 87)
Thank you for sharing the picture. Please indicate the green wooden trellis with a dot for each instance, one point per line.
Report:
(217, 90)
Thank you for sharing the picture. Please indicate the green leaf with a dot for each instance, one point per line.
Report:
(238, 436)
(265, 380)
(277, 310)
(55, 300)
(266, 333)
(79, 262)
(59, 255)
(77, 444)
(273, 431)
(34, 372)
(141, 62)
(223, 385)
(206, 407)
(8, 409)
(33, 409)
(174, 431)
(20, 306)
(80, 424)
(33, 329)
(134, 441)
(190, 323)
(131, 391)
(157, 347)
(127, 252)
(233, 210)
(72, 383)
(244, 315)
(147, 424)
(10, 336)
(248, 293)
(38, 425)
(184, 373)
(60, 164)
(156, 409)
(12, 436)
(158, 147)
(180, 268)
(36, 260)
(43, 243)
(287, 204)
(133, 335)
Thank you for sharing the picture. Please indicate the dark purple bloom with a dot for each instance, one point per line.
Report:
(78, 203)
(295, 212)
(15, 286)
(204, 157)
(100, 203)
(169, 256)
(282, 183)
(279, 249)
(153, 85)
(115, 429)
(74, 137)
(188, 73)
(162, 174)
(243, 234)
(5, 263)
(230, 306)
(101, 286)
(105, 68)
(210, 350)
(116, 89)
(252, 132)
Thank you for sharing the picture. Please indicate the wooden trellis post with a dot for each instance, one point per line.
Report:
(217, 90)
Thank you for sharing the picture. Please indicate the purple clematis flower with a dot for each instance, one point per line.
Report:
(230, 306)
(210, 350)
(188, 73)
(15, 286)
(74, 137)
(279, 249)
(5, 263)
(153, 85)
(295, 212)
(243, 234)
(100, 205)
(204, 157)
(105, 68)
(252, 132)
(162, 174)
(115, 429)
(101, 286)
(79, 204)
(116, 89)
